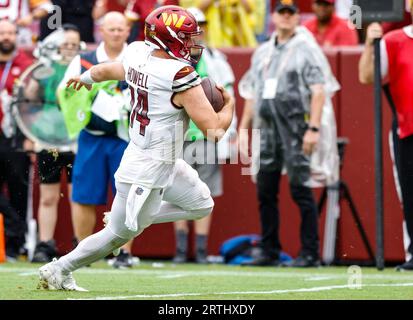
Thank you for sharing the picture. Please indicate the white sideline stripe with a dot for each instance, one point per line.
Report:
(172, 276)
(30, 273)
(314, 289)
(258, 273)
(319, 278)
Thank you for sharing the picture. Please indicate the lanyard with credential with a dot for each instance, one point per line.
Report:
(5, 74)
(271, 83)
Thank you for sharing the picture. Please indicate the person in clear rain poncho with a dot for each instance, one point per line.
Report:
(288, 91)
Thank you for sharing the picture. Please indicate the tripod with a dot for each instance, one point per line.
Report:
(333, 195)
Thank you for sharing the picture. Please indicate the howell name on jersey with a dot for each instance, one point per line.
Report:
(138, 78)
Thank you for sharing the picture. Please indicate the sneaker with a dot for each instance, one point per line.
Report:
(44, 251)
(180, 257)
(11, 259)
(123, 260)
(12, 254)
(407, 266)
(201, 257)
(53, 278)
(305, 261)
(262, 261)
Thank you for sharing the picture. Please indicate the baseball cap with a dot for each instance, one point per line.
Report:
(286, 4)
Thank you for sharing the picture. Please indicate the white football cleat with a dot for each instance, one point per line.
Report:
(52, 278)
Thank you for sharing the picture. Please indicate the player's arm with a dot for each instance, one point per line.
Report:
(98, 73)
(245, 125)
(212, 124)
(38, 10)
(311, 137)
(366, 64)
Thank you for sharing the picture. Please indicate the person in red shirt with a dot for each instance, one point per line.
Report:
(138, 10)
(102, 7)
(328, 29)
(397, 70)
(14, 164)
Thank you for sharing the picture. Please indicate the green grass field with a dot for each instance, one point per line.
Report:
(162, 280)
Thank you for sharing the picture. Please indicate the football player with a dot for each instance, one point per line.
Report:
(153, 184)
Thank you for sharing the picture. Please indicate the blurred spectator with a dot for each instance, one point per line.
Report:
(52, 162)
(100, 149)
(23, 13)
(14, 162)
(169, 3)
(285, 100)
(397, 70)
(136, 12)
(263, 27)
(328, 28)
(231, 22)
(104, 6)
(203, 154)
(77, 12)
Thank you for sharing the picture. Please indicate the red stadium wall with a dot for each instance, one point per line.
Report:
(236, 212)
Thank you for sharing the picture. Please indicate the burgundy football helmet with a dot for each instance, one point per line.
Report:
(174, 30)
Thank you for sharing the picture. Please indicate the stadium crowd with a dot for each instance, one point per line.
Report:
(29, 24)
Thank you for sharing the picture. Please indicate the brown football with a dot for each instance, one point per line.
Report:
(213, 94)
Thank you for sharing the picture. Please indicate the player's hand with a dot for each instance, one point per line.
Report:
(374, 31)
(228, 98)
(310, 141)
(77, 84)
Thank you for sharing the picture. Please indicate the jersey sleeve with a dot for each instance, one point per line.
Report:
(185, 79)
(136, 51)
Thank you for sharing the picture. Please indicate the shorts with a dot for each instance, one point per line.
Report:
(184, 190)
(138, 167)
(97, 159)
(202, 156)
(50, 166)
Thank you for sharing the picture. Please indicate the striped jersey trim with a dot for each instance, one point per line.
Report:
(186, 82)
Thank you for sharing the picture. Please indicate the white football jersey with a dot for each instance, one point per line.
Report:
(156, 125)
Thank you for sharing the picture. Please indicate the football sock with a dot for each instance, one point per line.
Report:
(201, 243)
(181, 241)
(91, 249)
